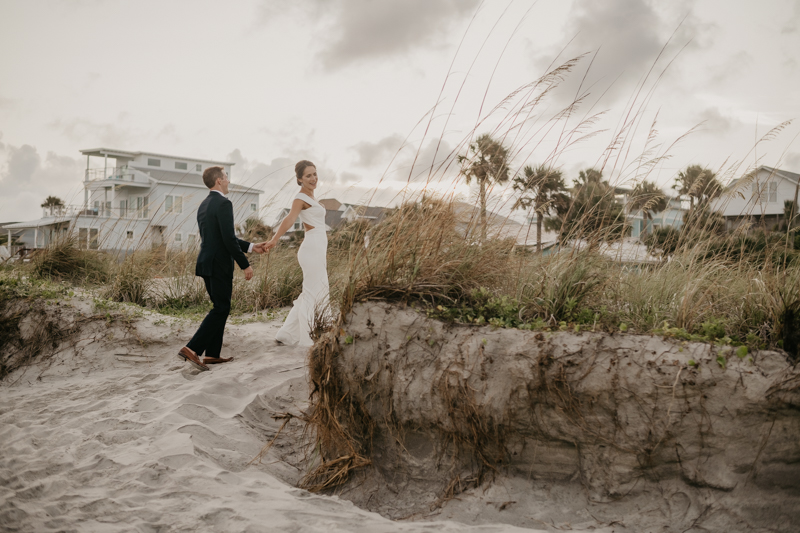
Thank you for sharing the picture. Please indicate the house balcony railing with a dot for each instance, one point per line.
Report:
(117, 175)
(101, 211)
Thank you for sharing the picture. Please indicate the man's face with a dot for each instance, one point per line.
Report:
(223, 182)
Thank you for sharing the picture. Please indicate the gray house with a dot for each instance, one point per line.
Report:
(135, 200)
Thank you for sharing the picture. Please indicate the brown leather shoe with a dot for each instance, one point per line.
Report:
(216, 360)
(187, 354)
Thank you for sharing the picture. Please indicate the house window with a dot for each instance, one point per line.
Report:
(253, 208)
(123, 208)
(153, 162)
(181, 166)
(198, 167)
(142, 210)
(192, 239)
(173, 204)
(757, 194)
(178, 237)
(88, 238)
(765, 192)
(129, 235)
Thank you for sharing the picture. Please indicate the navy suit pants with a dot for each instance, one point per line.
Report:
(208, 338)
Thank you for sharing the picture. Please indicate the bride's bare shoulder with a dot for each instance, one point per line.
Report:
(301, 202)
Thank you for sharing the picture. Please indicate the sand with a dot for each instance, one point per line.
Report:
(565, 430)
(114, 433)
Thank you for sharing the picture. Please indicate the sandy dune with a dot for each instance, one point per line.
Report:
(112, 436)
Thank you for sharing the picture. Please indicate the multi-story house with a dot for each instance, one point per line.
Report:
(138, 200)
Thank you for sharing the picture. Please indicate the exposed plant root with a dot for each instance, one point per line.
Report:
(286, 417)
(341, 428)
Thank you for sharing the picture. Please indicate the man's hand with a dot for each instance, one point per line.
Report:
(248, 273)
(261, 247)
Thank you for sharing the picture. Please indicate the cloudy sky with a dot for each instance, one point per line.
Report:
(384, 93)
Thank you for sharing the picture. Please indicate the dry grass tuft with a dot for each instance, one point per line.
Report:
(63, 260)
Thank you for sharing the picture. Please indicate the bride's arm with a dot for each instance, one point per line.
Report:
(297, 206)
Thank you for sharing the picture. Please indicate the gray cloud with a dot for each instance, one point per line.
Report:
(791, 23)
(365, 30)
(627, 36)
(377, 153)
(792, 162)
(27, 180)
(430, 164)
(715, 122)
(368, 30)
(169, 132)
(269, 177)
(20, 167)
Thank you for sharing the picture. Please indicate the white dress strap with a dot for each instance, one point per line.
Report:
(306, 198)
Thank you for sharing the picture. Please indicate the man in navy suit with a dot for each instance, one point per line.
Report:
(219, 248)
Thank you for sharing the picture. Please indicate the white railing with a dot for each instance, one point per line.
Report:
(71, 211)
(121, 174)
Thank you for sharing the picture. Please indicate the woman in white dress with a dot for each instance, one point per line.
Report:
(312, 257)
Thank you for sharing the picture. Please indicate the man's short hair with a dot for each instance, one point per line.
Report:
(211, 175)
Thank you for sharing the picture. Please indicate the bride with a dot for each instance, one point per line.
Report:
(312, 258)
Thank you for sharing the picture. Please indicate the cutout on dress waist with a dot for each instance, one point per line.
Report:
(307, 227)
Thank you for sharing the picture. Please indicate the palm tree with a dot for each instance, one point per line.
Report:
(699, 184)
(648, 198)
(541, 189)
(594, 213)
(53, 201)
(486, 163)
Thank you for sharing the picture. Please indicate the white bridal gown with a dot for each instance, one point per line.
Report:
(312, 257)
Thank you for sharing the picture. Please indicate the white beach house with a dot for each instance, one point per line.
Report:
(758, 197)
(136, 200)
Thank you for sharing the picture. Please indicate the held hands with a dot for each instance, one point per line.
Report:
(263, 247)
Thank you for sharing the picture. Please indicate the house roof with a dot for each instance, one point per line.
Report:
(38, 223)
(365, 211)
(502, 227)
(785, 174)
(331, 204)
(112, 152)
(791, 176)
(333, 218)
(190, 178)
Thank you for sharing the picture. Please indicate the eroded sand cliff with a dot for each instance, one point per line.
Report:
(532, 428)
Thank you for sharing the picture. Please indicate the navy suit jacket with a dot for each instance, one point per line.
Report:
(219, 246)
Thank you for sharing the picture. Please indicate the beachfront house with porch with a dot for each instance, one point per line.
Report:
(758, 198)
(137, 200)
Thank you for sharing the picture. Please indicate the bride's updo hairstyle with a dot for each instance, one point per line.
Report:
(300, 167)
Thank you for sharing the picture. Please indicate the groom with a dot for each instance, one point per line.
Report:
(219, 248)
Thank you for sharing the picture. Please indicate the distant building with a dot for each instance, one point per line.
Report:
(141, 199)
(672, 216)
(336, 214)
(758, 197)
